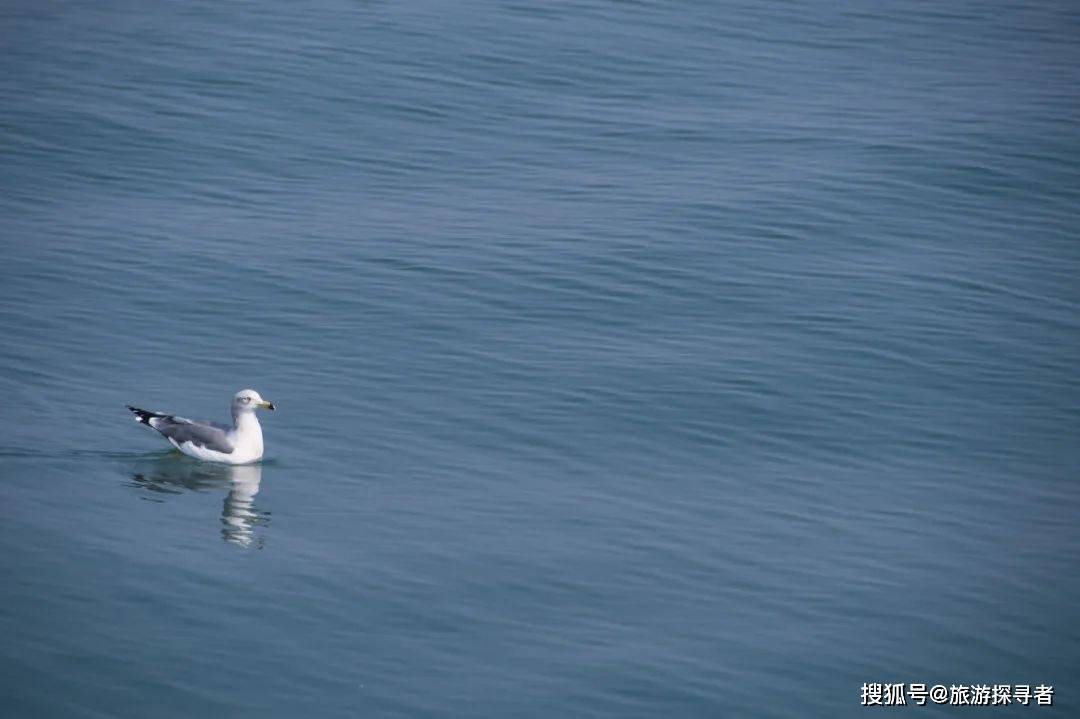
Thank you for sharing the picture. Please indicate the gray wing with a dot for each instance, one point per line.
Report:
(181, 430)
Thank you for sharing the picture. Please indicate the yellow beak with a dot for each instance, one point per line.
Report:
(268, 405)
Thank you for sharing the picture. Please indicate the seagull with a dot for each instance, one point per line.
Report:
(242, 443)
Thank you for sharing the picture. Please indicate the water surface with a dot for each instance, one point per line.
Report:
(632, 359)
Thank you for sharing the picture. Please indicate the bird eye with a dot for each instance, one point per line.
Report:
(245, 400)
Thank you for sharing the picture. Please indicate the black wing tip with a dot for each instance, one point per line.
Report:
(141, 415)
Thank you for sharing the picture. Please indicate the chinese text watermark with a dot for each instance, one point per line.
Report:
(891, 695)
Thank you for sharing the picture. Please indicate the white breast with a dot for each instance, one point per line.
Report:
(247, 440)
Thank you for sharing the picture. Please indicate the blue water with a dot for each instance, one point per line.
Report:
(631, 359)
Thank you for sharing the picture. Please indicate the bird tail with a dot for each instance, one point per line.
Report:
(144, 416)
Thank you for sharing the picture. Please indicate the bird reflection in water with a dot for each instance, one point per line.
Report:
(171, 475)
(239, 515)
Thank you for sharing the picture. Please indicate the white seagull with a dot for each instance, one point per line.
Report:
(240, 444)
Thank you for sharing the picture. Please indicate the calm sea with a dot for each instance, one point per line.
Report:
(636, 359)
